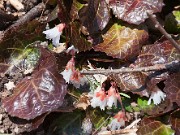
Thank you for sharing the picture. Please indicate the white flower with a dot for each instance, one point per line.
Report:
(10, 85)
(99, 99)
(156, 97)
(115, 125)
(73, 49)
(68, 70)
(66, 75)
(112, 97)
(55, 33)
(118, 121)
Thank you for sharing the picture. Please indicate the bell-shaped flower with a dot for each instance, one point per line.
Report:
(112, 97)
(99, 99)
(118, 121)
(70, 67)
(157, 97)
(77, 79)
(55, 33)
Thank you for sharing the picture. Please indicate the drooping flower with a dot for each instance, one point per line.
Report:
(156, 97)
(112, 97)
(118, 121)
(99, 99)
(77, 79)
(72, 50)
(55, 33)
(72, 75)
(68, 70)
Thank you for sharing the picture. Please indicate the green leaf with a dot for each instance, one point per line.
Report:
(153, 127)
(172, 22)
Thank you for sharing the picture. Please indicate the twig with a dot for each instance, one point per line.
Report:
(163, 31)
(26, 18)
(128, 70)
(119, 132)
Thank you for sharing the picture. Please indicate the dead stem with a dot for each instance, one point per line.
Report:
(128, 70)
(163, 31)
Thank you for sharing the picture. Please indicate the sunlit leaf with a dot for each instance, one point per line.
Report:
(95, 16)
(153, 127)
(122, 42)
(131, 82)
(20, 38)
(158, 53)
(41, 93)
(172, 88)
(135, 11)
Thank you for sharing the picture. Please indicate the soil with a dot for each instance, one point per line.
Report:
(8, 124)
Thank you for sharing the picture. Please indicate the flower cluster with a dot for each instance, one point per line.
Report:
(55, 33)
(72, 75)
(102, 99)
(118, 121)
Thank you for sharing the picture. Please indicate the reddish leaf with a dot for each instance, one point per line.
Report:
(43, 92)
(153, 127)
(77, 40)
(135, 11)
(95, 16)
(158, 53)
(121, 42)
(175, 121)
(131, 82)
(21, 37)
(172, 88)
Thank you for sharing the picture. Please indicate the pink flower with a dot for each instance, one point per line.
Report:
(112, 97)
(70, 67)
(55, 33)
(99, 99)
(77, 79)
(70, 74)
(118, 121)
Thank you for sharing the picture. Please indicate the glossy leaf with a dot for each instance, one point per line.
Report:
(153, 127)
(158, 53)
(122, 42)
(131, 82)
(172, 88)
(41, 93)
(135, 11)
(19, 39)
(95, 16)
